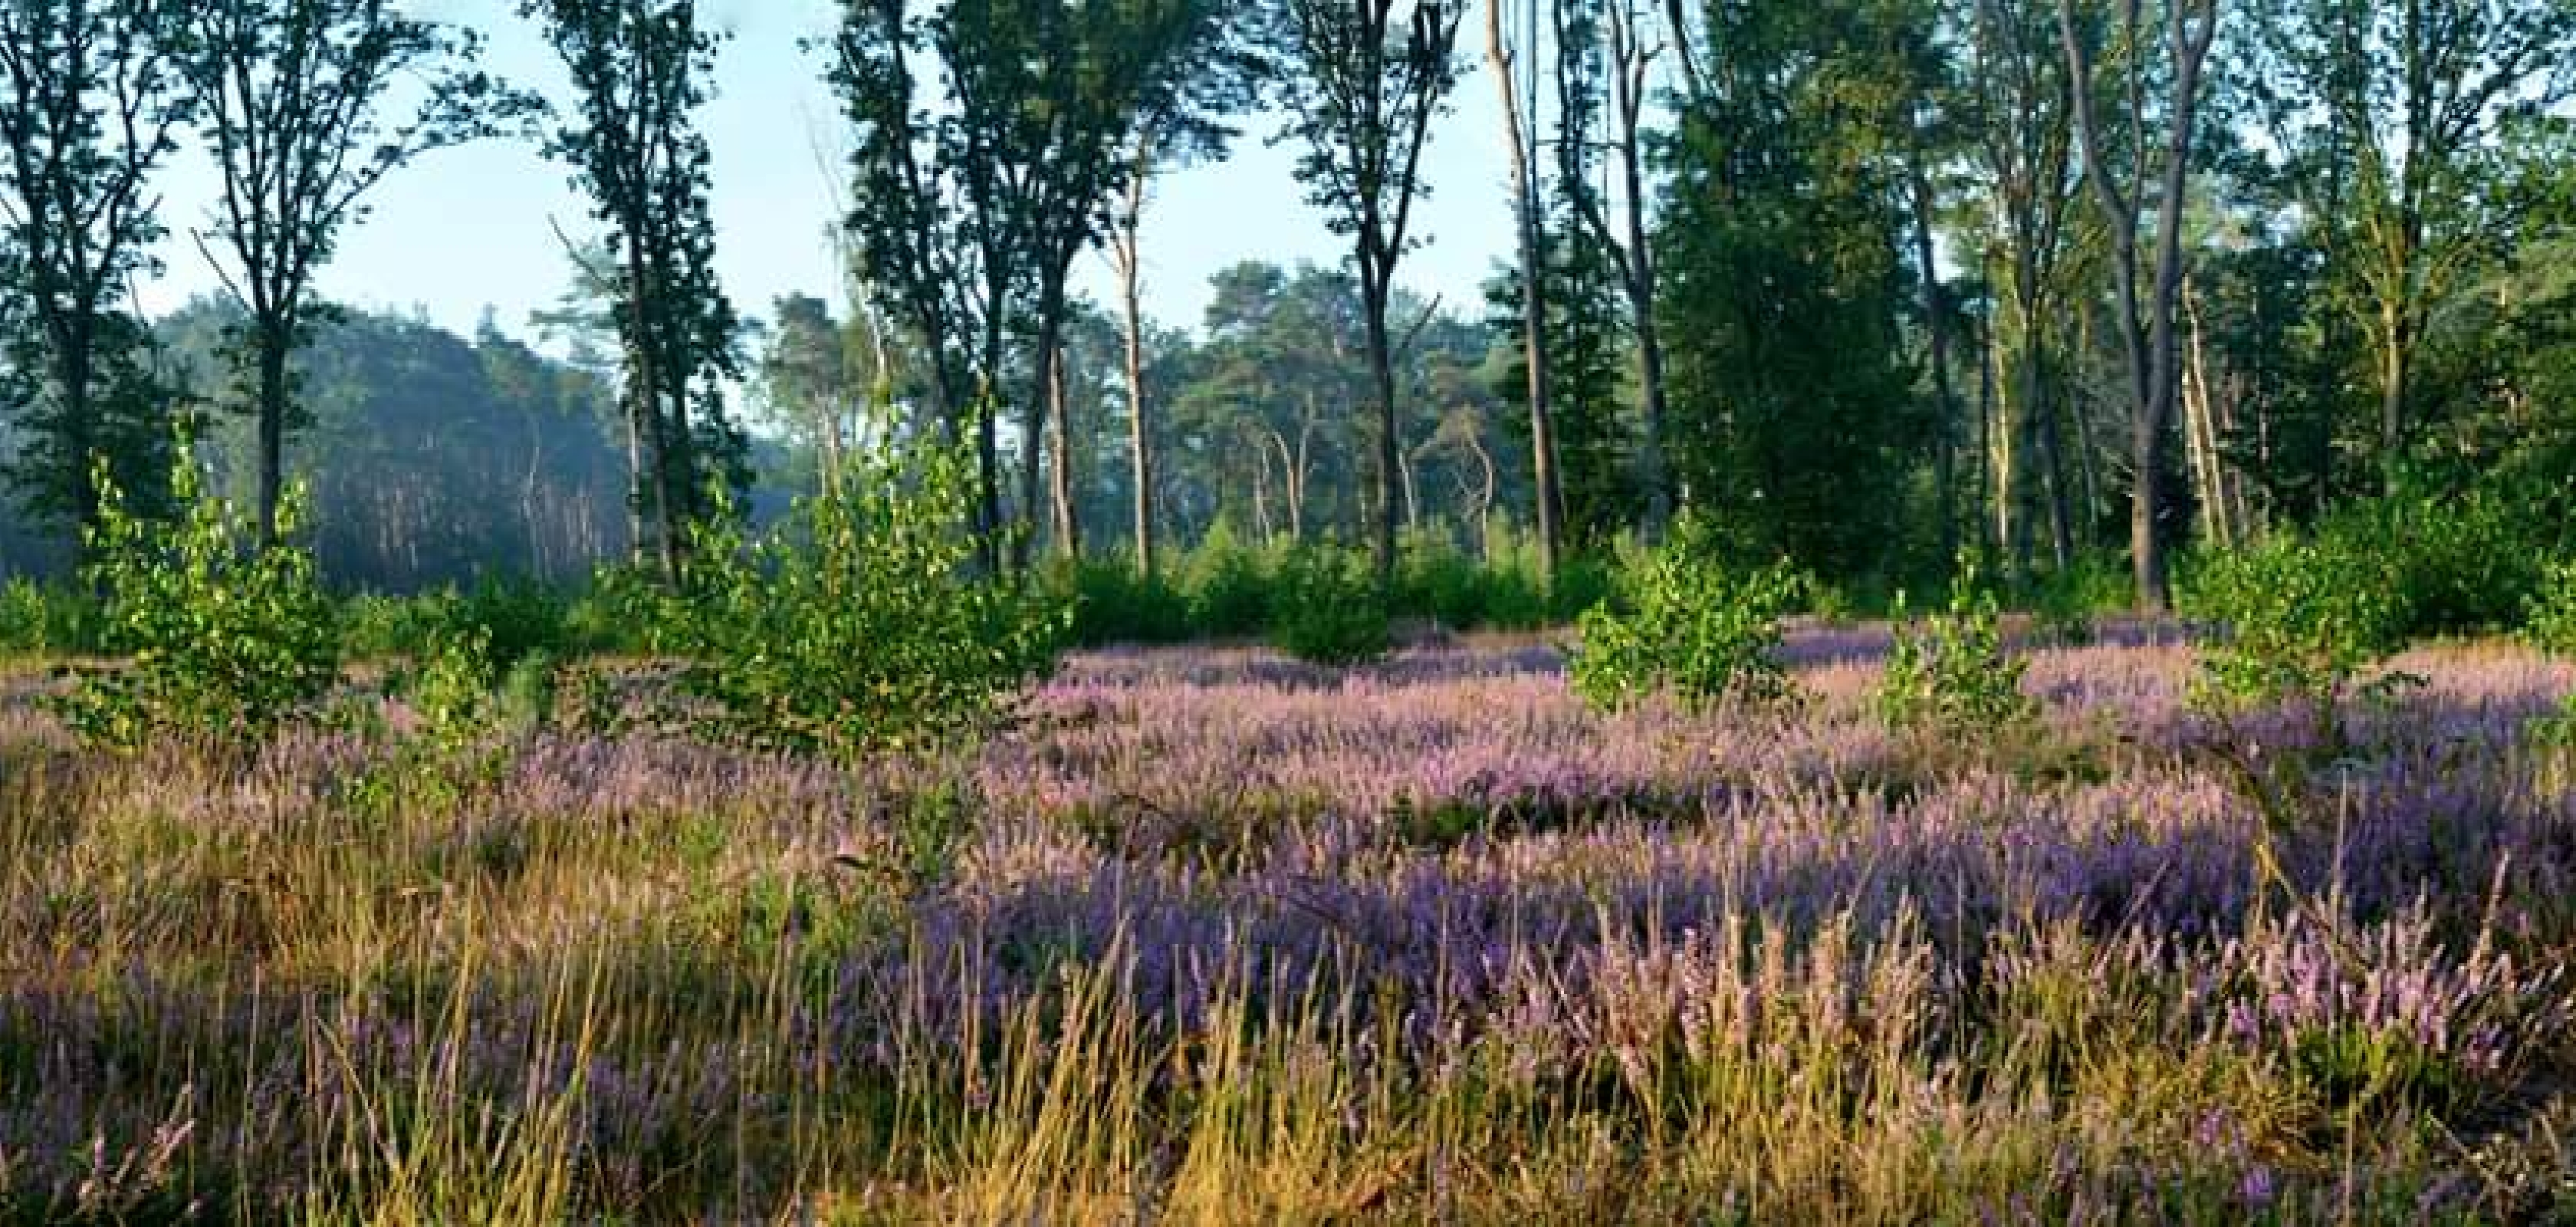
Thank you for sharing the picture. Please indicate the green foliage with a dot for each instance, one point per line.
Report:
(222, 642)
(1949, 675)
(1689, 625)
(864, 626)
(2065, 602)
(1329, 608)
(2549, 617)
(2462, 564)
(1227, 584)
(46, 620)
(1113, 604)
(2302, 620)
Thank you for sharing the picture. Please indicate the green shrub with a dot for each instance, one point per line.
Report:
(863, 623)
(2065, 602)
(377, 626)
(1227, 585)
(1684, 623)
(46, 620)
(614, 613)
(1329, 610)
(2464, 564)
(2301, 621)
(1434, 579)
(2549, 616)
(222, 642)
(515, 616)
(1113, 604)
(1949, 675)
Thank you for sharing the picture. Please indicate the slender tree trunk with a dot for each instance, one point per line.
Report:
(1124, 243)
(1381, 359)
(1936, 316)
(273, 341)
(1068, 525)
(1533, 293)
(1629, 62)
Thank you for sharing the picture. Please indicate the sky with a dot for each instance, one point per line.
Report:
(467, 230)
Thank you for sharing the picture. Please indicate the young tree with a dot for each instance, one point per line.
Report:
(1362, 89)
(640, 67)
(2145, 317)
(92, 109)
(290, 97)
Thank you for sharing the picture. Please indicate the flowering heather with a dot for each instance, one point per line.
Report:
(1212, 936)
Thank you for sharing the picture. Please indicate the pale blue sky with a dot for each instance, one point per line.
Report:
(469, 228)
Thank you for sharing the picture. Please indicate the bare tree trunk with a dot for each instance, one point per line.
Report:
(1533, 290)
(274, 341)
(2146, 322)
(1068, 523)
(1936, 316)
(1630, 61)
(1126, 253)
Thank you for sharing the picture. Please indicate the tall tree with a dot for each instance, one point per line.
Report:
(2388, 115)
(1780, 259)
(1627, 59)
(640, 68)
(1362, 91)
(1225, 83)
(290, 95)
(93, 108)
(2146, 315)
(1516, 75)
(907, 237)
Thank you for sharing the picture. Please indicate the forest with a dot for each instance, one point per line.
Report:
(1974, 620)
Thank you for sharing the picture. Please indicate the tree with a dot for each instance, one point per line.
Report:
(2386, 116)
(639, 68)
(1362, 95)
(1226, 83)
(2145, 318)
(821, 378)
(1626, 60)
(904, 222)
(290, 96)
(93, 109)
(1520, 134)
(1779, 257)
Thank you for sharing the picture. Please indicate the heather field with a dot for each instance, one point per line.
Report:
(1211, 936)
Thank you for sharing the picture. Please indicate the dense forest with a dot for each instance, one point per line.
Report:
(1864, 281)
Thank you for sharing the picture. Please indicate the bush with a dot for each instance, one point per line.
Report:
(515, 616)
(376, 626)
(1227, 586)
(223, 641)
(1113, 604)
(2065, 602)
(2549, 616)
(2458, 565)
(1688, 626)
(875, 632)
(1949, 675)
(46, 620)
(1329, 609)
(2302, 620)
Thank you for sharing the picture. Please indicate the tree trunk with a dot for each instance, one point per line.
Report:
(1382, 376)
(1936, 317)
(273, 341)
(1068, 525)
(1139, 436)
(1629, 61)
(1533, 295)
